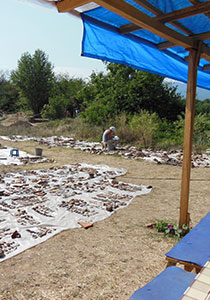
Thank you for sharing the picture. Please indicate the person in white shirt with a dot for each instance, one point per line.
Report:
(108, 138)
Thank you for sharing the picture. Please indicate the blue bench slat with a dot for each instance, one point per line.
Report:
(168, 285)
(195, 246)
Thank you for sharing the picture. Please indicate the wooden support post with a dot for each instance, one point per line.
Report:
(194, 57)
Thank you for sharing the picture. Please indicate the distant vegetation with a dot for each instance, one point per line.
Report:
(146, 111)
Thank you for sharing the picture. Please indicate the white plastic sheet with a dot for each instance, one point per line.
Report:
(35, 205)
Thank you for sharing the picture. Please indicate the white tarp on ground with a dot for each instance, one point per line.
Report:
(173, 157)
(36, 204)
(22, 158)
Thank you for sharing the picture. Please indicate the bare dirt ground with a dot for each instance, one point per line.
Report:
(114, 257)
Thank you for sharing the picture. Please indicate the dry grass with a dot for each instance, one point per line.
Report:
(114, 257)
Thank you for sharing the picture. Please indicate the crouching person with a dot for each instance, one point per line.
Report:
(109, 140)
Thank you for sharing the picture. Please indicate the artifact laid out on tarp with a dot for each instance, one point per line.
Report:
(37, 204)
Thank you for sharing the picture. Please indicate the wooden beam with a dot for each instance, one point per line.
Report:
(184, 12)
(75, 13)
(188, 135)
(206, 67)
(129, 28)
(158, 12)
(145, 4)
(142, 20)
(201, 36)
(205, 52)
(196, 2)
(133, 27)
(165, 45)
(181, 27)
(68, 5)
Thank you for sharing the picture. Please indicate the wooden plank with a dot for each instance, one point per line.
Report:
(133, 27)
(184, 12)
(156, 11)
(137, 17)
(68, 5)
(159, 13)
(129, 28)
(188, 135)
(202, 36)
(165, 45)
(187, 265)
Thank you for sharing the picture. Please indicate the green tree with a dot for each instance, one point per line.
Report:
(69, 88)
(34, 79)
(202, 107)
(124, 89)
(8, 94)
(64, 97)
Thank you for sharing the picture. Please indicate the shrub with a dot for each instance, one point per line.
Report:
(201, 127)
(200, 133)
(55, 109)
(124, 131)
(146, 126)
(97, 114)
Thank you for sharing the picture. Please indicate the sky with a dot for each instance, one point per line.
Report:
(27, 26)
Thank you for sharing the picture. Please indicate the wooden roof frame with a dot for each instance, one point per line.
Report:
(194, 43)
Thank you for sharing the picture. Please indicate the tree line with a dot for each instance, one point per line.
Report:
(142, 101)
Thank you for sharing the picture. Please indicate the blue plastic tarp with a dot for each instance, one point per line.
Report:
(103, 41)
(195, 246)
(168, 285)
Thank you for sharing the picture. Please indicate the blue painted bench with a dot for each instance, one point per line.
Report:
(168, 285)
(193, 251)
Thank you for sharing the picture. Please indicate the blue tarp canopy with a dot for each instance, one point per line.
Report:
(104, 39)
(104, 42)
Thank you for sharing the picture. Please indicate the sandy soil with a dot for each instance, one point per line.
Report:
(114, 257)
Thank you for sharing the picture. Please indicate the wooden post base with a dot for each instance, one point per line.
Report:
(190, 267)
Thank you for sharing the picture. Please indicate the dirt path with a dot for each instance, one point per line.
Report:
(114, 257)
